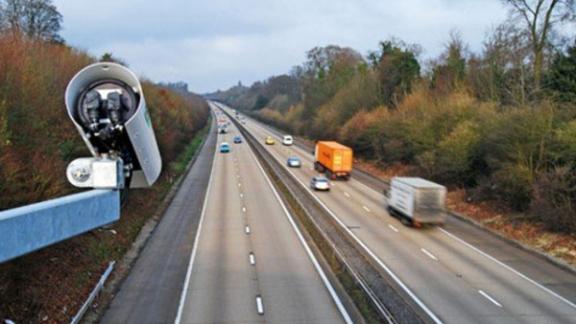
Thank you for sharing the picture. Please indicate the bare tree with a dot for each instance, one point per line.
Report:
(33, 18)
(540, 17)
(2, 19)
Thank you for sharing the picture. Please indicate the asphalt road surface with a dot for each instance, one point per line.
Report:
(249, 264)
(458, 274)
(150, 293)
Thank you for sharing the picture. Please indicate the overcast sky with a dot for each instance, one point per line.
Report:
(214, 44)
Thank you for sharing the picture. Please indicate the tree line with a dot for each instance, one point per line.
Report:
(501, 123)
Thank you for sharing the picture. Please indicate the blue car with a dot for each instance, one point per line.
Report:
(237, 139)
(224, 148)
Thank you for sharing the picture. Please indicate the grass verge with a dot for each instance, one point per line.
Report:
(50, 285)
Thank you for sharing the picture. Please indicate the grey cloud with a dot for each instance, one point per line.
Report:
(214, 44)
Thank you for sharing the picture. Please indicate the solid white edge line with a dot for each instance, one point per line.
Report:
(393, 228)
(195, 247)
(259, 305)
(315, 263)
(429, 254)
(489, 298)
(371, 254)
(509, 268)
(551, 292)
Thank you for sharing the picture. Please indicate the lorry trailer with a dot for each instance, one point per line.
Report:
(333, 159)
(417, 201)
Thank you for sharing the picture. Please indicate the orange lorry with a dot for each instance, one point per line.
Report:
(334, 159)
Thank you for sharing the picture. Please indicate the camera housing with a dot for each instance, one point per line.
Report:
(106, 103)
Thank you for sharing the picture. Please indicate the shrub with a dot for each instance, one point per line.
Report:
(554, 199)
(37, 141)
(512, 184)
(452, 160)
(361, 131)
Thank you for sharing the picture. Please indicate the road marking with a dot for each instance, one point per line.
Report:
(393, 228)
(571, 304)
(259, 305)
(364, 246)
(239, 184)
(252, 258)
(346, 194)
(241, 195)
(366, 208)
(243, 209)
(195, 248)
(490, 298)
(313, 259)
(247, 229)
(432, 256)
(371, 253)
(509, 268)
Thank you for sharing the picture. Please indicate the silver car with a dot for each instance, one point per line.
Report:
(294, 162)
(320, 183)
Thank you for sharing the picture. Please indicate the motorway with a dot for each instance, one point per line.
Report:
(150, 293)
(250, 264)
(476, 280)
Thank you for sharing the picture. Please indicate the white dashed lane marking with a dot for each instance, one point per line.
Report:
(489, 298)
(432, 256)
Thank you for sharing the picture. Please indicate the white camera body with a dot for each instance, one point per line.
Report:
(106, 103)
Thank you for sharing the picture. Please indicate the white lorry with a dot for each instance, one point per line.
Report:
(417, 201)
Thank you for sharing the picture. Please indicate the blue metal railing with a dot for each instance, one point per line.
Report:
(29, 228)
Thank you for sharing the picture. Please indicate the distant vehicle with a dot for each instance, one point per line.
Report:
(224, 148)
(237, 139)
(417, 201)
(333, 159)
(223, 130)
(287, 140)
(294, 162)
(320, 183)
(269, 140)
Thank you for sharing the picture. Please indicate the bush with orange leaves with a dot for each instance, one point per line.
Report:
(37, 140)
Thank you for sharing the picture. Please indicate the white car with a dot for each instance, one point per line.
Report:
(287, 140)
(320, 183)
(294, 162)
